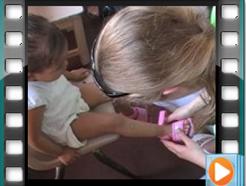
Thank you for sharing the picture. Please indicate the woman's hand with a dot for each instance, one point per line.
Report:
(180, 113)
(188, 110)
(69, 155)
(190, 151)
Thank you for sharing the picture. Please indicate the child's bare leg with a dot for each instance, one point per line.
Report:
(90, 125)
(93, 95)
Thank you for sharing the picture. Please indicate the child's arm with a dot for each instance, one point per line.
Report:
(40, 142)
(190, 151)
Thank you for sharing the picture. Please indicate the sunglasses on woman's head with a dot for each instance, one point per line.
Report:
(99, 80)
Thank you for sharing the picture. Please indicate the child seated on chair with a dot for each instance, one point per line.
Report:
(59, 117)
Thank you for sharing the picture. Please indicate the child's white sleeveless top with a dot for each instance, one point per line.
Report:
(62, 103)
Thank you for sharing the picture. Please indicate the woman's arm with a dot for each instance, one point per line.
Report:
(36, 139)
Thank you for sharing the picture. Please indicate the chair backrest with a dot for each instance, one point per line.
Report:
(39, 161)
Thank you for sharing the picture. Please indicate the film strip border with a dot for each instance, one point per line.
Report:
(230, 77)
(14, 88)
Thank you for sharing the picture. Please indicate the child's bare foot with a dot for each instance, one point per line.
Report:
(123, 107)
(169, 129)
(130, 111)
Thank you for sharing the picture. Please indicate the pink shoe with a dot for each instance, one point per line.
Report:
(139, 114)
(175, 125)
(162, 117)
(161, 121)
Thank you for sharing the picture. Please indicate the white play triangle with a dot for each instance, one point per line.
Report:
(220, 172)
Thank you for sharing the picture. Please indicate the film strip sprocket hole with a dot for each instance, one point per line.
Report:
(14, 84)
(228, 58)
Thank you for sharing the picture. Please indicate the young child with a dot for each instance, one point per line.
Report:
(159, 54)
(59, 120)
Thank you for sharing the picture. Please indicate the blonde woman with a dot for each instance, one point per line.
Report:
(157, 55)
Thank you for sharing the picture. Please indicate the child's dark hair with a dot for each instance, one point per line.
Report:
(45, 44)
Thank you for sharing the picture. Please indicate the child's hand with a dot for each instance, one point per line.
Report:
(190, 151)
(69, 155)
(78, 74)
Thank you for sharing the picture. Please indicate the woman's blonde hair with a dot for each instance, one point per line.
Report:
(144, 50)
